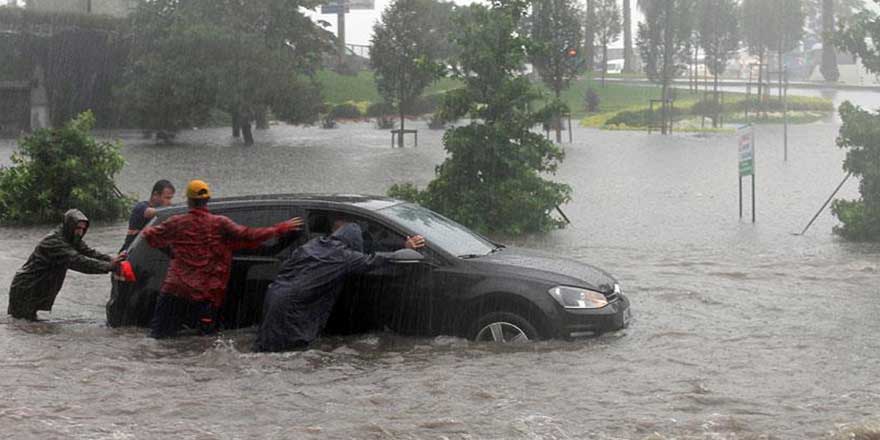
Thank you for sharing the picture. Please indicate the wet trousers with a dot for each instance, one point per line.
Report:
(172, 313)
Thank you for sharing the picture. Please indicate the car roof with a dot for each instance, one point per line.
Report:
(367, 202)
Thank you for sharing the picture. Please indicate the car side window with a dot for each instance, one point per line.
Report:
(377, 237)
(264, 216)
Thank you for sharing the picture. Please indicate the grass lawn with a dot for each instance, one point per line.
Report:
(614, 98)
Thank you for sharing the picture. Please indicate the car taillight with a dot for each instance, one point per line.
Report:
(127, 272)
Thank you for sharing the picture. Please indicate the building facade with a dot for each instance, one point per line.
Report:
(115, 8)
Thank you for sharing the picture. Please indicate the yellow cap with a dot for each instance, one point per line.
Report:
(197, 189)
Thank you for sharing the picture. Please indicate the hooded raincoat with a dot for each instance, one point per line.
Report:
(35, 286)
(298, 303)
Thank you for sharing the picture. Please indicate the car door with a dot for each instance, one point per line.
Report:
(254, 269)
(399, 295)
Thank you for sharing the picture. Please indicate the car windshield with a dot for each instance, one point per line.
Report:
(439, 231)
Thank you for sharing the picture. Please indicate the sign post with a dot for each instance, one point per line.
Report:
(746, 137)
(340, 8)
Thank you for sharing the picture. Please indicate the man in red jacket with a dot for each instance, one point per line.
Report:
(201, 246)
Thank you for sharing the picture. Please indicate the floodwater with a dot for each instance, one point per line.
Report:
(741, 330)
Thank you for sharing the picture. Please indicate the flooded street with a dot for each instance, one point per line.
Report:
(741, 330)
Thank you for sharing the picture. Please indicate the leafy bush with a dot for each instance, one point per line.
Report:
(385, 122)
(426, 104)
(591, 101)
(860, 133)
(377, 109)
(328, 121)
(59, 169)
(436, 122)
(346, 110)
(639, 118)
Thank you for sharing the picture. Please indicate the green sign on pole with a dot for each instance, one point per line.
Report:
(746, 152)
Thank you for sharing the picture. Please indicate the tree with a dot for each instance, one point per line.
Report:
(829, 57)
(776, 25)
(590, 35)
(59, 169)
(607, 29)
(492, 178)
(406, 44)
(244, 58)
(860, 134)
(628, 60)
(718, 34)
(554, 28)
(663, 40)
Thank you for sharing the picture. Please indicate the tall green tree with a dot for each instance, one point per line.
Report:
(492, 179)
(242, 57)
(718, 34)
(772, 25)
(590, 35)
(663, 41)
(628, 59)
(860, 135)
(829, 57)
(554, 28)
(607, 29)
(406, 46)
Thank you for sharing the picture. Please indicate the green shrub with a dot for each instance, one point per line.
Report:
(385, 122)
(639, 118)
(346, 110)
(591, 100)
(860, 134)
(426, 104)
(59, 169)
(378, 109)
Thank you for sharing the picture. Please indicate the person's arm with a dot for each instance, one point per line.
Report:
(84, 249)
(243, 237)
(150, 212)
(61, 252)
(159, 236)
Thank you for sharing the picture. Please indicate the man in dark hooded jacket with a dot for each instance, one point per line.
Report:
(298, 303)
(38, 282)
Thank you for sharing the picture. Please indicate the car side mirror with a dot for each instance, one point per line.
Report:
(406, 256)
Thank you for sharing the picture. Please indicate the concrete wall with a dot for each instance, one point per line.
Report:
(116, 8)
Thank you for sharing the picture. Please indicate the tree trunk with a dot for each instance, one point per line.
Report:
(829, 57)
(667, 66)
(558, 121)
(246, 131)
(400, 135)
(236, 124)
(589, 33)
(717, 103)
(760, 81)
(262, 119)
(627, 38)
(604, 62)
(780, 66)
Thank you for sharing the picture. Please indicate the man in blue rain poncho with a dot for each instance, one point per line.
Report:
(298, 303)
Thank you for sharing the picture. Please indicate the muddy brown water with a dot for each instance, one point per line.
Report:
(741, 330)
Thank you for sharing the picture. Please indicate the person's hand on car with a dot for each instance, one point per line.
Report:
(295, 224)
(415, 242)
(114, 262)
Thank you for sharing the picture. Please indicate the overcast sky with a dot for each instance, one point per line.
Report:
(359, 23)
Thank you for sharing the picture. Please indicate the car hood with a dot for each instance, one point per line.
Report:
(519, 262)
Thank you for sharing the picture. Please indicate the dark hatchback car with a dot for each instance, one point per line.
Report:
(460, 284)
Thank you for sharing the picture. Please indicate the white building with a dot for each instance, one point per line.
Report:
(116, 8)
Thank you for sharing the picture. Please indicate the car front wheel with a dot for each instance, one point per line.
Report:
(504, 328)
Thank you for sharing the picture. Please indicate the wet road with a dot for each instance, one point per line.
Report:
(741, 330)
